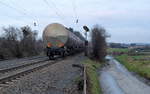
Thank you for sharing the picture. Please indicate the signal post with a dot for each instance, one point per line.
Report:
(86, 41)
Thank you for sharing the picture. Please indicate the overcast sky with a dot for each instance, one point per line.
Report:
(125, 20)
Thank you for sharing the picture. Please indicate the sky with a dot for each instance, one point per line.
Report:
(127, 21)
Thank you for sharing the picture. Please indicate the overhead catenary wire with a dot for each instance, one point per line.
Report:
(57, 11)
(25, 10)
(18, 5)
(75, 11)
(75, 14)
(16, 9)
(55, 6)
(47, 3)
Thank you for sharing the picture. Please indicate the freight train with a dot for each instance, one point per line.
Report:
(58, 40)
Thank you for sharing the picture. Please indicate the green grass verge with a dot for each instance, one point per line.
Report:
(137, 57)
(93, 79)
(140, 67)
(117, 50)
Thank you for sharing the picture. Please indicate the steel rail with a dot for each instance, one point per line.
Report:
(19, 67)
(9, 78)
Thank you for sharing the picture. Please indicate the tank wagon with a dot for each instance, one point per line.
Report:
(60, 41)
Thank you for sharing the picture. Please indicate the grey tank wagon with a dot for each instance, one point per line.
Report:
(60, 41)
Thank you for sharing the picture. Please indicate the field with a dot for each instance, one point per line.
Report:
(110, 50)
(138, 64)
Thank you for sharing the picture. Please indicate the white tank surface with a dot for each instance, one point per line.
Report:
(57, 35)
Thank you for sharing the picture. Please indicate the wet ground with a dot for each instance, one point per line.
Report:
(115, 79)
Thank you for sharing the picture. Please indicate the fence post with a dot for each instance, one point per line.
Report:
(85, 81)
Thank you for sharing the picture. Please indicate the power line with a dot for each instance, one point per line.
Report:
(47, 3)
(26, 11)
(74, 9)
(55, 6)
(17, 10)
(7, 5)
(76, 19)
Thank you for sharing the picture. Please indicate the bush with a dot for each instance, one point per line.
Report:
(99, 43)
(17, 43)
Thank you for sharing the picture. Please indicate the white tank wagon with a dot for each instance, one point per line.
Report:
(59, 40)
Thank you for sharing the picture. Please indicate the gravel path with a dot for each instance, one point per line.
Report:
(115, 79)
(55, 79)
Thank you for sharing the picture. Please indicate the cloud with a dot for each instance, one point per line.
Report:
(122, 18)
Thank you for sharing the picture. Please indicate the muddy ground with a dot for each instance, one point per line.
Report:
(116, 79)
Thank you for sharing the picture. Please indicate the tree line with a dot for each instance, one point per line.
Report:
(19, 42)
(23, 42)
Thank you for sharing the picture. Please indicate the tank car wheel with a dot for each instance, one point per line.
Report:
(63, 54)
(51, 57)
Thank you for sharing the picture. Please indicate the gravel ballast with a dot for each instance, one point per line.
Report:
(19, 62)
(58, 78)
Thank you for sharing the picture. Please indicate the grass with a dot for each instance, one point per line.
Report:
(93, 79)
(138, 66)
(117, 50)
(138, 57)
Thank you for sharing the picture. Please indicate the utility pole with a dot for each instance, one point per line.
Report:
(86, 41)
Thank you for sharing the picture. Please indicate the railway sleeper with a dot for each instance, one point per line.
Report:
(18, 67)
(5, 80)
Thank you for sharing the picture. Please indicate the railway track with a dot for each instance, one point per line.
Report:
(19, 62)
(22, 59)
(19, 67)
(8, 75)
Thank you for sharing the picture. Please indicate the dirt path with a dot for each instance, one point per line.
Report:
(58, 78)
(115, 79)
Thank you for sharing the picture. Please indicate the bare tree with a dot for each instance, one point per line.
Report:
(11, 42)
(28, 42)
(99, 43)
(19, 43)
